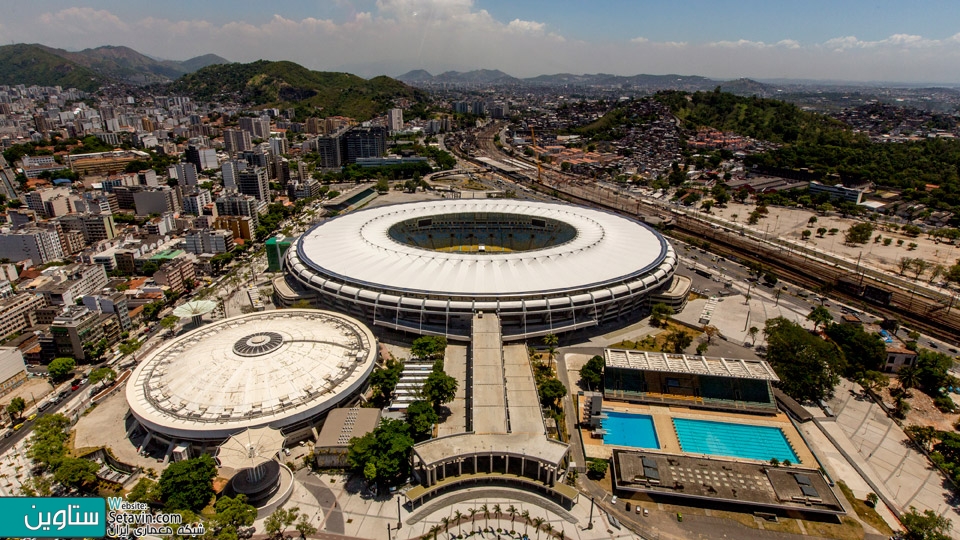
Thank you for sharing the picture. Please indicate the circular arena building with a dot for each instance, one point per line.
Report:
(426, 267)
(284, 369)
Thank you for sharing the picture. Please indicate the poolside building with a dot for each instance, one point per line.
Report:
(693, 381)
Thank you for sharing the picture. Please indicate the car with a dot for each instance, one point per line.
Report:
(286, 451)
(934, 345)
(18, 426)
(8, 433)
(74, 388)
(951, 349)
(31, 417)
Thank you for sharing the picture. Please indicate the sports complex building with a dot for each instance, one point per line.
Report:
(284, 369)
(427, 267)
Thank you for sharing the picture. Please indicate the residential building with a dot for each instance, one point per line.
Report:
(203, 159)
(254, 182)
(18, 312)
(185, 173)
(241, 227)
(237, 140)
(39, 245)
(278, 145)
(73, 281)
(209, 241)
(176, 274)
(94, 227)
(114, 303)
(38, 201)
(74, 328)
(239, 205)
(13, 370)
(156, 201)
(364, 142)
(193, 203)
(258, 128)
(395, 120)
(330, 149)
(161, 225)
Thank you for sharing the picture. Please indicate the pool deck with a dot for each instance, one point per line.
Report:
(667, 435)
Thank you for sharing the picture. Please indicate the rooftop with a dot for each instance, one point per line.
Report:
(274, 367)
(689, 364)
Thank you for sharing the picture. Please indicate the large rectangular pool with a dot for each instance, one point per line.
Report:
(625, 429)
(743, 441)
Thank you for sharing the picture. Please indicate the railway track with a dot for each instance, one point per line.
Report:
(937, 317)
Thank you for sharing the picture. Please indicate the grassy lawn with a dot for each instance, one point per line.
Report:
(655, 343)
(867, 514)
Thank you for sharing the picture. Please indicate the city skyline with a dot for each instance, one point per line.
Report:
(860, 40)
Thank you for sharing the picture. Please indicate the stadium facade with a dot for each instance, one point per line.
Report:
(427, 267)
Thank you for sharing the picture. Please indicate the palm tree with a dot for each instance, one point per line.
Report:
(445, 522)
(473, 512)
(458, 515)
(551, 341)
(548, 528)
(537, 523)
(512, 510)
(496, 511)
(526, 520)
(909, 377)
(434, 531)
(486, 516)
(753, 334)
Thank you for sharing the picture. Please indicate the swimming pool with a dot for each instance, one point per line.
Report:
(625, 429)
(762, 443)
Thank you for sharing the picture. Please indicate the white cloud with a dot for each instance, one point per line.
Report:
(398, 35)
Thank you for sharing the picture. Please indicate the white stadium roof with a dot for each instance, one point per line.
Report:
(357, 248)
(273, 368)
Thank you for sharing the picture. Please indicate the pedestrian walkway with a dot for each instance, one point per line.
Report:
(895, 468)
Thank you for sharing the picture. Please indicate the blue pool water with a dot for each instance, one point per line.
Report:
(624, 429)
(733, 440)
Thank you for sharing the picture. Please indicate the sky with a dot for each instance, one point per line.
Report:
(848, 40)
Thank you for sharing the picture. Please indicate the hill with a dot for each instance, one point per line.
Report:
(90, 68)
(32, 64)
(415, 76)
(286, 83)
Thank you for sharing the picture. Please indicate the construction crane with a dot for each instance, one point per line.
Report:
(533, 138)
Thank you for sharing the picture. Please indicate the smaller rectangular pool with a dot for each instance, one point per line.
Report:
(744, 441)
(625, 429)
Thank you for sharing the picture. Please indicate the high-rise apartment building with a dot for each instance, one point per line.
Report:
(364, 142)
(254, 182)
(186, 174)
(39, 245)
(237, 140)
(395, 119)
(239, 205)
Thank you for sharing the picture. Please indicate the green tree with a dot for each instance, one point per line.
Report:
(805, 234)
(429, 347)
(188, 484)
(808, 366)
(820, 316)
(863, 351)
(16, 407)
(421, 416)
(550, 391)
(384, 380)
(145, 491)
(811, 221)
(169, 322)
(232, 513)
(387, 447)
(50, 434)
(678, 340)
(592, 372)
(659, 313)
(821, 231)
(370, 471)
(281, 519)
(551, 341)
(753, 331)
(859, 233)
(933, 371)
(439, 388)
(382, 185)
(908, 377)
(102, 374)
(75, 472)
(304, 527)
(60, 368)
(925, 526)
